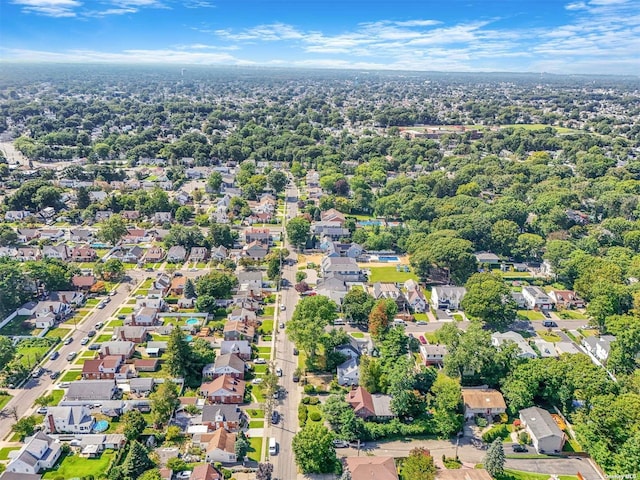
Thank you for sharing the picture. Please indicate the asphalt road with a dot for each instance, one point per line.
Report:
(283, 432)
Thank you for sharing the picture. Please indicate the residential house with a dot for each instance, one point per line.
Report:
(487, 258)
(566, 299)
(59, 252)
(463, 474)
(433, 354)
(91, 390)
(221, 447)
(146, 364)
(135, 334)
(348, 372)
(103, 215)
(546, 349)
(162, 217)
(255, 251)
(177, 253)
(80, 235)
(238, 330)
(599, 347)
(368, 406)
(199, 254)
(224, 389)
(566, 347)
(51, 234)
(25, 235)
(447, 297)
(536, 298)
(333, 230)
(197, 173)
(417, 301)
(130, 214)
(16, 215)
(97, 196)
(381, 290)
(244, 315)
(177, 286)
(162, 283)
(155, 349)
(348, 351)
(345, 268)
(69, 297)
(123, 348)
(485, 402)
(141, 386)
(333, 215)
(526, 351)
(83, 282)
(333, 287)
(92, 445)
(371, 468)
(261, 235)
(131, 255)
(102, 368)
(83, 254)
(519, 299)
(41, 452)
(545, 434)
(135, 235)
(229, 417)
(153, 300)
(145, 316)
(183, 198)
(241, 348)
(219, 253)
(75, 419)
(28, 254)
(205, 471)
(154, 254)
(250, 282)
(227, 364)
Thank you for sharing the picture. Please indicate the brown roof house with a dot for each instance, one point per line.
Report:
(154, 254)
(224, 389)
(372, 468)
(205, 471)
(368, 406)
(83, 282)
(221, 447)
(473, 474)
(482, 401)
(226, 364)
(237, 330)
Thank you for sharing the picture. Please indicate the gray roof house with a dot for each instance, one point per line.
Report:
(526, 351)
(345, 268)
(40, 453)
(241, 348)
(545, 434)
(83, 390)
(348, 372)
(447, 296)
(73, 419)
(177, 253)
(229, 364)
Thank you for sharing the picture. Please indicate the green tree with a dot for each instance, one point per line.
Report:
(136, 462)
(277, 180)
(112, 229)
(418, 465)
(177, 354)
(189, 289)
(356, 306)
(504, 236)
(265, 470)
(214, 182)
(313, 449)
(306, 326)
(44, 400)
(241, 446)
(133, 424)
(7, 351)
(82, 198)
(446, 252)
(184, 214)
(112, 269)
(298, 231)
(489, 299)
(25, 426)
(13, 287)
(333, 409)
(153, 474)
(173, 434)
(220, 234)
(8, 236)
(494, 460)
(216, 284)
(378, 319)
(163, 402)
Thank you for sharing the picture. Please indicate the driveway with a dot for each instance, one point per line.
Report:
(556, 466)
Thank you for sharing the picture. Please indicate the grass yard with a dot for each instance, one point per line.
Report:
(115, 323)
(256, 424)
(31, 351)
(4, 399)
(260, 368)
(71, 376)
(531, 315)
(125, 310)
(73, 466)
(264, 350)
(388, 274)
(92, 302)
(17, 326)
(572, 315)
(357, 334)
(267, 326)
(57, 397)
(89, 354)
(105, 337)
(258, 393)
(57, 332)
(458, 317)
(549, 336)
(268, 311)
(421, 317)
(255, 449)
(514, 275)
(510, 474)
(588, 332)
(313, 408)
(540, 126)
(4, 452)
(255, 413)
(430, 337)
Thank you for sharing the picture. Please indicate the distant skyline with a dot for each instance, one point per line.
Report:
(555, 36)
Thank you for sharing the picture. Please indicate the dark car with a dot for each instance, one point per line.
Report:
(94, 346)
(519, 448)
(54, 375)
(121, 317)
(91, 333)
(54, 355)
(549, 323)
(275, 417)
(295, 351)
(296, 378)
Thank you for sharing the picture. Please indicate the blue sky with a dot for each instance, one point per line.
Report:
(558, 36)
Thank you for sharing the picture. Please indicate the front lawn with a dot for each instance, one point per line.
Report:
(255, 449)
(260, 368)
(4, 452)
(256, 424)
(4, 399)
(549, 336)
(74, 466)
(125, 310)
(115, 323)
(268, 311)
(572, 315)
(255, 413)
(258, 393)
(388, 274)
(421, 317)
(105, 337)
(264, 350)
(32, 350)
(71, 376)
(357, 334)
(57, 332)
(17, 326)
(531, 314)
(57, 397)
(267, 326)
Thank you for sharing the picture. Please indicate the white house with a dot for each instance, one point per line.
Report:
(599, 347)
(40, 453)
(536, 298)
(241, 348)
(221, 447)
(76, 419)
(348, 372)
(345, 268)
(526, 351)
(433, 354)
(447, 297)
(416, 300)
(545, 434)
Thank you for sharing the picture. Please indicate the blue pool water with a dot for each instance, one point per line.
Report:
(370, 223)
(192, 321)
(189, 338)
(388, 259)
(100, 426)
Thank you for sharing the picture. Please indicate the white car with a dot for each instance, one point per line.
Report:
(84, 341)
(283, 307)
(279, 371)
(256, 381)
(260, 361)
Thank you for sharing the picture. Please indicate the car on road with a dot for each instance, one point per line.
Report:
(447, 311)
(281, 325)
(421, 322)
(91, 333)
(279, 371)
(94, 346)
(42, 411)
(68, 341)
(275, 417)
(54, 375)
(37, 372)
(296, 378)
(113, 292)
(84, 340)
(64, 384)
(260, 361)
(283, 307)
(54, 355)
(516, 447)
(101, 305)
(257, 381)
(295, 351)
(121, 317)
(549, 323)
(71, 356)
(337, 443)
(99, 325)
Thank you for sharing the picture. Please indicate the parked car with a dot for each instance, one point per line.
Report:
(275, 417)
(279, 371)
(84, 340)
(68, 340)
(295, 351)
(422, 340)
(296, 378)
(37, 372)
(121, 317)
(421, 322)
(54, 355)
(257, 381)
(91, 333)
(114, 292)
(549, 323)
(337, 443)
(94, 346)
(54, 375)
(42, 410)
(71, 356)
(281, 325)
(99, 325)
(283, 307)
(355, 444)
(101, 305)
(260, 361)
(516, 447)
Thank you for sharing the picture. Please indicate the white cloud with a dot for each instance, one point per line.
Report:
(50, 8)
(576, 6)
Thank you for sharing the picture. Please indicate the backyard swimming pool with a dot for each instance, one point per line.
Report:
(192, 321)
(189, 338)
(388, 258)
(100, 426)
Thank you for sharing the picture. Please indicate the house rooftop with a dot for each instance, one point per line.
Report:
(540, 422)
(482, 398)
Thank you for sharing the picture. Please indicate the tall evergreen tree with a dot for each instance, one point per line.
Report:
(495, 459)
(136, 462)
(189, 289)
